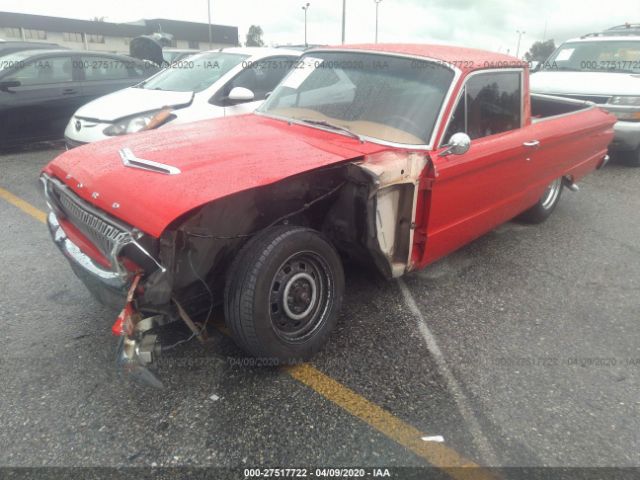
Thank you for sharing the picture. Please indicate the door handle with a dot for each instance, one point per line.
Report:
(532, 144)
(69, 91)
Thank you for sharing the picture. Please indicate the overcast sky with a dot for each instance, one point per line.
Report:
(488, 24)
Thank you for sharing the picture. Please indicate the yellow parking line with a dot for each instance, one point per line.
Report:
(22, 205)
(437, 454)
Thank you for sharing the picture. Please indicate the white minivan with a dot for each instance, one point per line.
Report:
(605, 69)
(211, 84)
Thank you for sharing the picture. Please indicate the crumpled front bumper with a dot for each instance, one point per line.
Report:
(117, 290)
(109, 286)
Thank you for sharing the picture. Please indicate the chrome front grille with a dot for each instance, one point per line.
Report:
(103, 234)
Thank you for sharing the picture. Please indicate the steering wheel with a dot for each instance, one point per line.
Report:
(397, 121)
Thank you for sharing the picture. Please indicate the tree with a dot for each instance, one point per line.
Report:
(540, 51)
(254, 36)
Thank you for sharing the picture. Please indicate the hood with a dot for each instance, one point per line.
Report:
(131, 101)
(585, 83)
(146, 48)
(216, 158)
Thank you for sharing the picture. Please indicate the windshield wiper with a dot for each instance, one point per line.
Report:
(333, 126)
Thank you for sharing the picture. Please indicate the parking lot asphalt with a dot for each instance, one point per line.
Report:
(521, 349)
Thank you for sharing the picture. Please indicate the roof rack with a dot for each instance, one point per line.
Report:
(631, 29)
(625, 26)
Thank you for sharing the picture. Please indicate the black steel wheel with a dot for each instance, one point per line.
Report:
(283, 293)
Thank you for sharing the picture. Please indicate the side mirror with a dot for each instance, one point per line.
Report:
(241, 94)
(459, 144)
(6, 85)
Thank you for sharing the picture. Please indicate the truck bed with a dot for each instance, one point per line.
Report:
(548, 106)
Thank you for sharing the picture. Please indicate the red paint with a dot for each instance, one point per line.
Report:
(469, 195)
(465, 59)
(217, 158)
(116, 328)
(493, 182)
(83, 243)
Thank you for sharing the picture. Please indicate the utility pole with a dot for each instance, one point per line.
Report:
(344, 19)
(305, 8)
(520, 33)
(377, 5)
(544, 35)
(209, 16)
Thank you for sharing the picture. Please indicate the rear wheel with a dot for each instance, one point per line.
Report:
(283, 294)
(634, 158)
(546, 205)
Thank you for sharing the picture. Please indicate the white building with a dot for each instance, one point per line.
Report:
(111, 37)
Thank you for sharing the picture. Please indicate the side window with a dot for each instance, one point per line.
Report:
(458, 122)
(260, 77)
(494, 102)
(106, 68)
(44, 71)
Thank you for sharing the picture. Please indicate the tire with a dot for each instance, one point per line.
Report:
(289, 260)
(633, 160)
(546, 205)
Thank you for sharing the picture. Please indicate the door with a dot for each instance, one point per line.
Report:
(104, 74)
(474, 192)
(42, 103)
(261, 77)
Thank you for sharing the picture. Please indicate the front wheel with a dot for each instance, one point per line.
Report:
(283, 293)
(546, 205)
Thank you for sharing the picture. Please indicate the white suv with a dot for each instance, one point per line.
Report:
(212, 84)
(603, 68)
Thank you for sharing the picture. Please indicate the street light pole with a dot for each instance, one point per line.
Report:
(520, 33)
(344, 19)
(209, 16)
(305, 8)
(377, 5)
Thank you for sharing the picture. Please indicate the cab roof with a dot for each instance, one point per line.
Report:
(465, 59)
(258, 51)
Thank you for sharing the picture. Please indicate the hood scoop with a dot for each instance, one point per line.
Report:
(130, 160)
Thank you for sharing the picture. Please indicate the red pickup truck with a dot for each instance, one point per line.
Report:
(394, 155)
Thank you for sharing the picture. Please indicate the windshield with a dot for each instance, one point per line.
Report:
(194, 74)
(598, 56)
(380, 96)
(171, 56)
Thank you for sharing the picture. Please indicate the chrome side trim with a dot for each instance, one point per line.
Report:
(130, 160)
